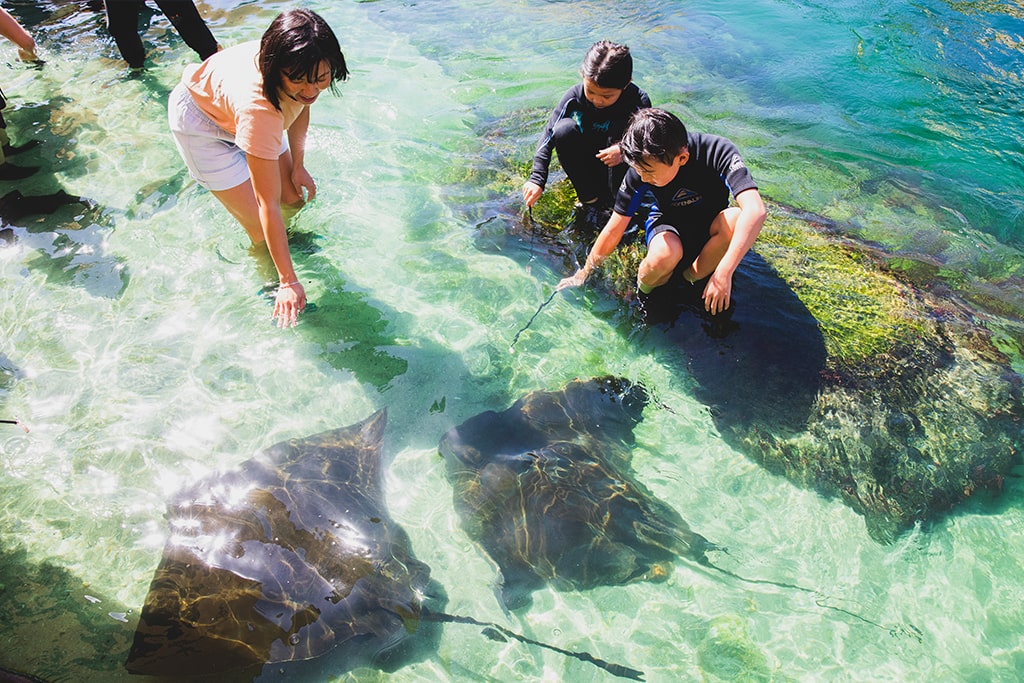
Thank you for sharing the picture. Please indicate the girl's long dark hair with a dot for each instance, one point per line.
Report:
(295, 45)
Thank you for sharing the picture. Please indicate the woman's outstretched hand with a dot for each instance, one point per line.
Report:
(289, 302)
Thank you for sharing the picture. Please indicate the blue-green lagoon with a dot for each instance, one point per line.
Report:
(138, 347)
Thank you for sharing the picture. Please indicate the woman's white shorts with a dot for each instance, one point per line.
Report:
(209, 152)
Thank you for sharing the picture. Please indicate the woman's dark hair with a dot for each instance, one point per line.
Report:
(608, 64)
(295, 44)
(653, 134)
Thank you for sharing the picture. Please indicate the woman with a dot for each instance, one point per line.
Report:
(229, 116)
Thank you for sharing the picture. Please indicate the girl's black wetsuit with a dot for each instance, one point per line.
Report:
(578, 130)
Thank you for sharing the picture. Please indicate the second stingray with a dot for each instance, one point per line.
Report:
(545, 488)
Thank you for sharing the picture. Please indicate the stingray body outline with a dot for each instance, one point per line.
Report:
(546, 489)
(289, 557)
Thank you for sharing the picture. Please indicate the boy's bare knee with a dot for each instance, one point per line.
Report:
(655, 271)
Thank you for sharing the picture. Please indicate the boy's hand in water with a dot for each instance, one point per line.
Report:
(289, 302)
(574, 280)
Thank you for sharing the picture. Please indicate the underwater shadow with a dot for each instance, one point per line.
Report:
(55, 627)
(758, 366)
(351, 332)
(67, 233)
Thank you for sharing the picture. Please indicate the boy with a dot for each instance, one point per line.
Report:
(585, 127)
(691, 225)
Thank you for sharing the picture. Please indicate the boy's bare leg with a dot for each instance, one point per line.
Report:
(663, 255)
(711, 255)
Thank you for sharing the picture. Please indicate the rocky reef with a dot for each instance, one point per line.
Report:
(835, 368)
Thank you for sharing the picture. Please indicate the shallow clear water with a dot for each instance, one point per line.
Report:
(140, 353)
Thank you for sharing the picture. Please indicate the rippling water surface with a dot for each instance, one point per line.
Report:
(138, 348)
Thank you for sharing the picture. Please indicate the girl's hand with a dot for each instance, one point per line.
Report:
(610, 156)
(531, 193)
(289, 302)
(301, 179)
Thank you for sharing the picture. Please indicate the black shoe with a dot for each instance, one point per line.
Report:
(590, 218)
(12, 172)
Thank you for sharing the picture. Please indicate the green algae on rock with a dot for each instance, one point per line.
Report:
(910, 407)
(728, 653)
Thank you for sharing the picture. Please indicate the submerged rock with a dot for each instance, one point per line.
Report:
(837, 372)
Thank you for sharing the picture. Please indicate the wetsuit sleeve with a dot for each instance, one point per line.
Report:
(542, 157)
(631, 194)
(725, 157)
(645, 100)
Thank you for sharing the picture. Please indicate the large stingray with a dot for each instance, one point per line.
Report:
(545, 488)
(288, 557)
(292, 556)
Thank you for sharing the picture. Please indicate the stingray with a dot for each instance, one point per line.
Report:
(290, 557)
(545, 488)
(287, 558)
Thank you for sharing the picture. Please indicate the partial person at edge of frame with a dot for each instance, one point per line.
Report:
(691, 225)
(585, 127)
(26, 44)
(16, 33)
(123, 25)
(256, 97)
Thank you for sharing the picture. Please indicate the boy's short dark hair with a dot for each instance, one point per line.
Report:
(608, 64)
(653, 134)
(295, 44)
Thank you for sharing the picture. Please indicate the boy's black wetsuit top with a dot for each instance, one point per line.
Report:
(605, 126)
(700, 190)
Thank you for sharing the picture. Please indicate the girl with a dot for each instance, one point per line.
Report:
(584, 129)
(230, 115)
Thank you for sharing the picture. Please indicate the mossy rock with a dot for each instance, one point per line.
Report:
(863, 312)
(727, 654)
(891, 381)
(894, 398)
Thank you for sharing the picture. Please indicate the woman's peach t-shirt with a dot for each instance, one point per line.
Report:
(228, 87)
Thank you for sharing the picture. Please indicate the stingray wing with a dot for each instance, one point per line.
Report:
(546, 489)
(281, 560)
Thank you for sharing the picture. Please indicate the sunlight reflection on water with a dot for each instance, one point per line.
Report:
(151, 362)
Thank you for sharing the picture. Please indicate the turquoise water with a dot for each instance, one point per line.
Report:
(138, 349)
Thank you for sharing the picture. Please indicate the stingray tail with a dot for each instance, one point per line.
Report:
(496, 632)
(821, 600)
